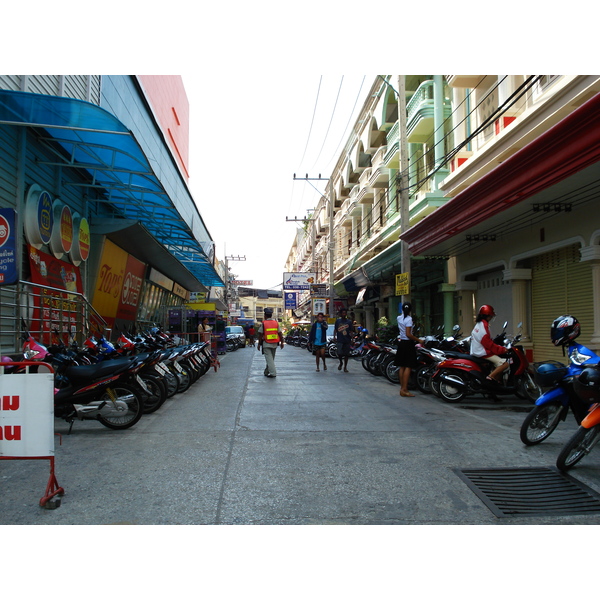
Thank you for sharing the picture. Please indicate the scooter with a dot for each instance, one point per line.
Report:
(460, 377)
(587, 386)
(553, 405)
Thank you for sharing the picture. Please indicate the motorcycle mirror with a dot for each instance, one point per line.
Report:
(520, 325)
(505, 325)
(456, 328)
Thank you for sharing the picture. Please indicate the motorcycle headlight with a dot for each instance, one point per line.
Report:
(578, 358)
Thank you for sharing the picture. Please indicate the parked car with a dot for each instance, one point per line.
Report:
(236, 331)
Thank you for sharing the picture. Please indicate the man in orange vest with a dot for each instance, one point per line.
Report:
(269, 336)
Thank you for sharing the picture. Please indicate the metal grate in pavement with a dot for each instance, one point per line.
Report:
(530, 492)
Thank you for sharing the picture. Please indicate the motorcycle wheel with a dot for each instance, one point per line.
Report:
(332, 350)
(527, 388)
(158, 394)
(541, 422)
(450, 392)
(423, 379)
(172, 382)
(577, 447)
(185, 381)
(135, 407)
(392, 372)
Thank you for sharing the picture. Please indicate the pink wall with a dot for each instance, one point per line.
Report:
(168, 99)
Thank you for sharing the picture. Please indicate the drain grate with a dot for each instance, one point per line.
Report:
(530, 492)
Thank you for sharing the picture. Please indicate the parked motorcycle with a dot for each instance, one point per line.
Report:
(587, 387)
(463, 376)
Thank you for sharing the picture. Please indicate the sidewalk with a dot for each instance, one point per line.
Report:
(303, 448)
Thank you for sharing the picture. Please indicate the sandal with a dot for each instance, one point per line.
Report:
(407, 395)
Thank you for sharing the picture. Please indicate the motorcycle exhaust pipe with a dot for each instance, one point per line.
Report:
(453, 379)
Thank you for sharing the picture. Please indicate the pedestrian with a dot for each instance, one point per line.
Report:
(343, 331)
(318, 338)
(251, 335)
(406, 353)
(204, 327)
(269, 336)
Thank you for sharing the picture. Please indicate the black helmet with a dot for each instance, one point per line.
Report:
(587, 385)
(268, 312)
(564, 330)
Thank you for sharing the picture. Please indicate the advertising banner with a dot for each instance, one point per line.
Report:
(119, 283)
(319, 305)
(53, 309)
(298, 281)
(8, 244)
(27, 415)
(402, 284)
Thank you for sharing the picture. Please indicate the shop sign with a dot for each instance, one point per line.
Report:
(118, 286)
(180, 291)
(402, 284)
(319, 305)
(291, 300)
(61, 240)
(80, 250)
(39, 217)
(54, 309)
(160, 279)
(298, 281)
(8, 245)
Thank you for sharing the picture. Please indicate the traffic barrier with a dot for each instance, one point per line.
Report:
(27, 419)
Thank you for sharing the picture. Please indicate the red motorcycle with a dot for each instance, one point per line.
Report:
(461, 376)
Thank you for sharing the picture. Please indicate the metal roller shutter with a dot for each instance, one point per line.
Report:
(561, 284)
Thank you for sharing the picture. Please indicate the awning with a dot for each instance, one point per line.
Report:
(132, 237)
(86, 137)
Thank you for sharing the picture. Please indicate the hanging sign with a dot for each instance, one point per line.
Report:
(298, 281)
(81, 239)
(402, 284)
(291, 300)
(8, 245)
(319, 305)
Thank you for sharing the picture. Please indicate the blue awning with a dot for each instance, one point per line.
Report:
(92, 139)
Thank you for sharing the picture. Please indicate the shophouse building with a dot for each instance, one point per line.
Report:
(94, 190)
(498, 176)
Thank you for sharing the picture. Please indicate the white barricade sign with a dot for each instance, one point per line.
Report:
(27, 415)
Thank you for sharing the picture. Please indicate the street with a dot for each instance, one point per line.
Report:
(303, 448)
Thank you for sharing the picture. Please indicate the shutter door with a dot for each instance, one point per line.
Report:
(561, 284)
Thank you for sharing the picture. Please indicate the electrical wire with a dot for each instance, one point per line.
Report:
(313, 119)
(330, 121)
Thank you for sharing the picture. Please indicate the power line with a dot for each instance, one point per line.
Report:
(313, 118)
(330, 121)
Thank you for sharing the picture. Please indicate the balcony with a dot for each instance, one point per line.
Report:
(464, 81)
(420, 113)
(391, 160)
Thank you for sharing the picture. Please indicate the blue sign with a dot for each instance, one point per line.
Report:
(8, 247)
(291, 300)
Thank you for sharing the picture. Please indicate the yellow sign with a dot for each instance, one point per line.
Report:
(402, 284)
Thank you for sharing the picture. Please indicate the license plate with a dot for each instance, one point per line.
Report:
(176, 364)
(142, 384)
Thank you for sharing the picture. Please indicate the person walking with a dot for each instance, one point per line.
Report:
(406, 354)
(269, 336)
(343, 331)
(318, 338)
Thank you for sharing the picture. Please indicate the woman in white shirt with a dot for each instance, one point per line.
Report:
(406, 354)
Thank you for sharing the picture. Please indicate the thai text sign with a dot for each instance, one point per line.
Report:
(27, 415)
(402, 284)
(298, 281)
(291, 300)
(8, 244)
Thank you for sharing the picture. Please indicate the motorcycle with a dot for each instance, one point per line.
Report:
(462, 376)
(553, 405)
(587, 387)
(91, 392)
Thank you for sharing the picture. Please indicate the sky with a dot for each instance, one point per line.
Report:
(245, 149)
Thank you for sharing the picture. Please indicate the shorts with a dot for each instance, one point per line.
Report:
(343, 349)
(496, 360)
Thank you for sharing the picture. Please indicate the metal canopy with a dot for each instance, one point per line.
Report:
(87, 137)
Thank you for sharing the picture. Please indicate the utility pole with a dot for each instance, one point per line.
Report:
(403, 179)
(331, 240)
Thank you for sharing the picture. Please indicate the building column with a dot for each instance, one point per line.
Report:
(447, 289)
(592, 254)
(519, 279)
(465, 291)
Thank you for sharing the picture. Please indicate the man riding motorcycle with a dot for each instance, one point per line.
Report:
(483, 346)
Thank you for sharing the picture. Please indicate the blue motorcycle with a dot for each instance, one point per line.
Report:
(554, 404)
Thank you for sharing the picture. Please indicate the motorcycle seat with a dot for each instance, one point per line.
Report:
(98, 370)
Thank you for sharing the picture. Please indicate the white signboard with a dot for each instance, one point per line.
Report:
(27, 415)
(298, 281)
